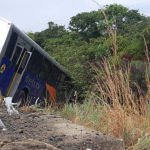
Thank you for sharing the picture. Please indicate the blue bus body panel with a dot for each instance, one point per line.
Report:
(29, 81)
(6, 76)
(33, 84)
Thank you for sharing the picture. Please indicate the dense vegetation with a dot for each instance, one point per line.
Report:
(86, 40)
(106, 52)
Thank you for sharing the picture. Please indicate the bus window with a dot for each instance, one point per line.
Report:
(52, 79)
(45, 69)
(59, 86)
(54, 72)
(11, 45)
(59, 76)
(24, 62)
(16, 56)
(35, 63)
(61, 79)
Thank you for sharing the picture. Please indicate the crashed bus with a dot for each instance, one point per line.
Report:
(27, 73)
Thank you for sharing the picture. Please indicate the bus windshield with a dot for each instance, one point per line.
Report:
(4, 28)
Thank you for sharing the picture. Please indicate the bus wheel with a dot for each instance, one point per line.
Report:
(21, 99)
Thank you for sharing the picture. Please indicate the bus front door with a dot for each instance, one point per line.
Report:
(18, 64)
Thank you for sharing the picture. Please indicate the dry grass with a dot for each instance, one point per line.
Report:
(29, 109)
(112, 107)
(128, 115)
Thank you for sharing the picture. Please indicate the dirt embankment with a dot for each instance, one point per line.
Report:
(38, 131)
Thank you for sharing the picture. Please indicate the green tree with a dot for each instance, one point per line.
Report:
(69, 51)
(53, 31)
(87, 41)
(86, 24)
(93, 24)
(121, 18)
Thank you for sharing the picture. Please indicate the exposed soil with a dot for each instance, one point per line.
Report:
(38, 131)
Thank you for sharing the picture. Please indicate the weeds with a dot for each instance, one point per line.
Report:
(112, 106)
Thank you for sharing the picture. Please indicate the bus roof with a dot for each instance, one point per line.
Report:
(5, 20)
(35, 45)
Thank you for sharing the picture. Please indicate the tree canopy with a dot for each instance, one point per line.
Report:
(87, 41)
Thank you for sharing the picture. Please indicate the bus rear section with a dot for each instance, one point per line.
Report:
(4, 29)
(14, 57)
(4, 32)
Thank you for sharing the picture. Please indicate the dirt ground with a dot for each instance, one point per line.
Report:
(38, 131)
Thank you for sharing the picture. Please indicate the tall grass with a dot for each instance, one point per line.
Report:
(128, 114)
(112, 107)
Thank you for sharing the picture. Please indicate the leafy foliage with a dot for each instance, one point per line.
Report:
(86, 24)
(87, 41)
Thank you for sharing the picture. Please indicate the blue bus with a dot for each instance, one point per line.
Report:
(27, 72)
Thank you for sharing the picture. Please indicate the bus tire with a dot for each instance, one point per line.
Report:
(21, 99)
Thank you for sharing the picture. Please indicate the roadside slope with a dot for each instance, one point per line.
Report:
(48, 131)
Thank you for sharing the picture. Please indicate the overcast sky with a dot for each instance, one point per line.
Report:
(33, 15)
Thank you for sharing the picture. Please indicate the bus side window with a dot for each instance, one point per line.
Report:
(54, 72)
(23, 64)
(52, 79)
(61, 80)
(35, 62)
(59, 86)
(45, 69)
(15, 57)
(11, 45)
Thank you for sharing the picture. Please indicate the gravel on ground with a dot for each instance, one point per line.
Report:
(42, 131)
